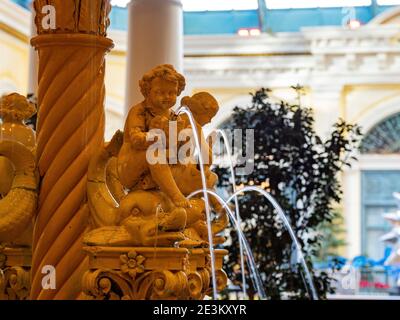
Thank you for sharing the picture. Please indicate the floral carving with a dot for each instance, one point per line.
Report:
(132, 264)
(150, 274)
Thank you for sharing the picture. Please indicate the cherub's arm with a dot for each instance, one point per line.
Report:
(138, 138)
(135, 127)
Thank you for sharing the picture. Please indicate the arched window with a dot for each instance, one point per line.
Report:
(384, 138)
(378, 185)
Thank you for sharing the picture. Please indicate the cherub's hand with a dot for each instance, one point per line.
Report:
(160, 122)
(139, 139)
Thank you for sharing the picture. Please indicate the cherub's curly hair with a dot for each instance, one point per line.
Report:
(166, 72)
(16, 106)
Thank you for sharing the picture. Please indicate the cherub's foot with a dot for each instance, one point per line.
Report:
(219, 240)
(164, 239)
(172, 221)
(189, 243)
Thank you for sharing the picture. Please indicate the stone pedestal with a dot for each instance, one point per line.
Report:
(124, 273)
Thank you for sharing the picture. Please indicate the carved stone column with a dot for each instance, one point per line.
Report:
(71, 44)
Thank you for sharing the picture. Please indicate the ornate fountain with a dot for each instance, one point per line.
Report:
(110, 221)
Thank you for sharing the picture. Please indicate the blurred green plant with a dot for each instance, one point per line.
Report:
(333, 238)
(301, 171)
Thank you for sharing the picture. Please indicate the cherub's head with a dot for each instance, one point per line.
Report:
(161, 86)
(203, 106)
(16, 107)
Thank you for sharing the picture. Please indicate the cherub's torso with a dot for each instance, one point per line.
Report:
(140, 117)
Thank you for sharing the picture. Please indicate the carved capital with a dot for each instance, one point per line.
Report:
(72, 16)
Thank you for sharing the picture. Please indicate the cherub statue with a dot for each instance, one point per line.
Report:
(153, 209)
(160, 87)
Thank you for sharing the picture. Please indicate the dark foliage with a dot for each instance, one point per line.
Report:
(302, 172)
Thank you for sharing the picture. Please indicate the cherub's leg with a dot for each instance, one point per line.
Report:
(162, 175)
(201, 228)
(196, 212)
(131, 166)
(113, 182)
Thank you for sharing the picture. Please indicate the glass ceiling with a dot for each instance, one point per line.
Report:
(218, 5)
(286, 4)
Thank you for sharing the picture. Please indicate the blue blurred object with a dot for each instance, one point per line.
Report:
(360, 262)
(23, 3)
(386, 255)
(333, 262)
(364, 262)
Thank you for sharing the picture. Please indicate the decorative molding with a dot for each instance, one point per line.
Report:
(14, 32)
(255, 54)
(15, 20)
(229, 45)
(119, 273)
(75, 16)
(173, 2)
(378, 113)
(370, 54)
(15, 273)
(378, 162)
(120, 39)
(386, 16)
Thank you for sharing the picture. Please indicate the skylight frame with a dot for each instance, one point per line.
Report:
(310, 4)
